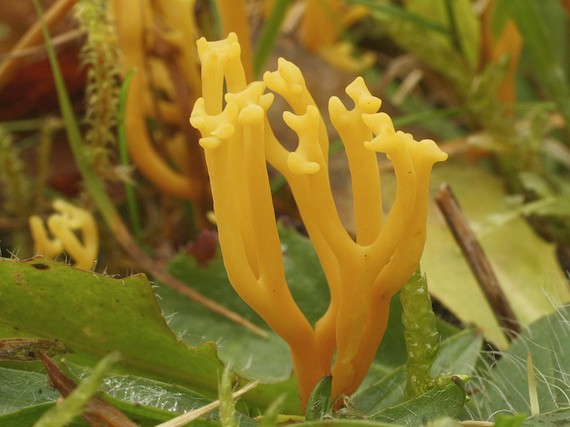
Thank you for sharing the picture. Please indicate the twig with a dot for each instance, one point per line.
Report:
(477, 260)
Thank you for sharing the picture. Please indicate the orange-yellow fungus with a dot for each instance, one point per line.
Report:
(362, 273)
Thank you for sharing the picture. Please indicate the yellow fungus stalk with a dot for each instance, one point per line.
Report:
(74, 232)
(154, 37)
(362, 273)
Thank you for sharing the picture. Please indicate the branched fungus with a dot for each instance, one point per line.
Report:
(362, 273)
(74, 231)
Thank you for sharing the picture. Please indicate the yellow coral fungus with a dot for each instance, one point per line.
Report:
(154, 37)
(64, 225)
(363, 273)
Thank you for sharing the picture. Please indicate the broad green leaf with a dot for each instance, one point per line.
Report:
(458, 355)
(147, 402)
(440, 401)
(251, 355)
(143, 398)
(390, 390)
(526, 266)
(20, 389)
(27, 416)
(504, 388)
(96, 314)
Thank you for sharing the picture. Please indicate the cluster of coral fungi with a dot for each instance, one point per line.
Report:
(363, 273)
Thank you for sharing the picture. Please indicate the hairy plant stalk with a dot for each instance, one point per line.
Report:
(100, 55)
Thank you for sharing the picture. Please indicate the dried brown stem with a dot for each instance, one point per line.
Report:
(477, 260)
(97, 412)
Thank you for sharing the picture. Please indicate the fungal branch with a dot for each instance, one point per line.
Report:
(362, 273)
(154, 37)
(74, 231)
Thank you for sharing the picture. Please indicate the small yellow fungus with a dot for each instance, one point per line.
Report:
(74, 231)
(363, 273)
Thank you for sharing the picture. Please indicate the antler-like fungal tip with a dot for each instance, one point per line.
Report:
(363, 99)
(300, 166)
(251, 114)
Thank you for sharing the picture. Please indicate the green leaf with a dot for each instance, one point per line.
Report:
(388, 391)
(95, 314)
(440, 401)
(147, 402)
(458, 355)
(20, 389)
(26, 417)
(143, 397)
(526, 266)
(504, 388)
(452, 52)
(320, 401)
